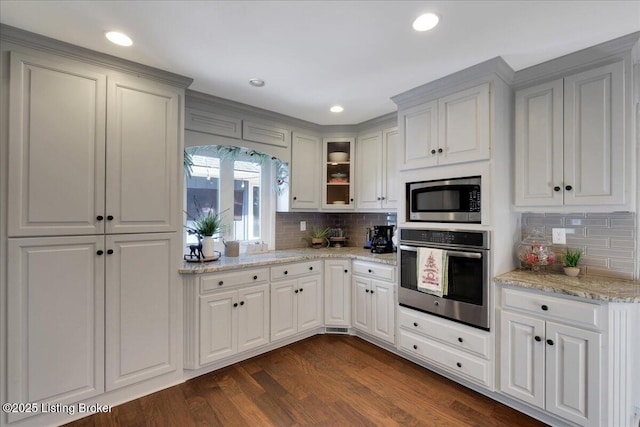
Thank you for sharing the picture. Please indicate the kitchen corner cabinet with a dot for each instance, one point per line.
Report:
(376, 170)
(338, 160)
(452, 129)
(305, 175)
(373, 300)
(570, 141)
(296, 298)
(337, 292)
(78, 137)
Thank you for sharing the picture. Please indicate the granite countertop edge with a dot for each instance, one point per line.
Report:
(283, 257)
(605, 289)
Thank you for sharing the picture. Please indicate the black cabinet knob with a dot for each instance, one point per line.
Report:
(301, 289)
(379, 198)
(382, 197)
(235, 304)
(99, 252)
(568, 188)
(99, 217)
(439, 150)
(255, 277)
(110, 217)
(311, 268)
(557, 188)
(295, 198)
(372, 291)
(433, 151)
(459, 365)
(544, 307)
(286, 272)
(220, 283)
(241, 302)
(346, 271)
(460, 339)
(351, 200)
(415, 324)
(110, 251)
(550, 342)
(296, 291)
(370, 271)
(366, 290)
(415, 347)
(537, 338)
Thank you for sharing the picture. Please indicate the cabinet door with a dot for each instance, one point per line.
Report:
(141, 307)
(419, 130)
(594, 137)
(573, 381)
(338, 173)
(284, 306)
(218, 319)
(55, 319)
(382, 310)
(337, 293)
(369, 171)
(463, 126)
(309, 310)
(56, 148)
(305, 171)
(539, 134)
(142, 157)
(361, 310)
(522, 356)
(253, 317)
(391, 189)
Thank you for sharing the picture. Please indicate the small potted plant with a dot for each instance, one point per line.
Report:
(571, 259)
(319, 237)
(206, 226)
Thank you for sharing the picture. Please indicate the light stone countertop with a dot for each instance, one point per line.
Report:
(284, 256)
(591, 287)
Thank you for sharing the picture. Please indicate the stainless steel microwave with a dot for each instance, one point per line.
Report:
(448, 200)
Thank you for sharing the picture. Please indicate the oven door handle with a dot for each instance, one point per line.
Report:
(456, 254)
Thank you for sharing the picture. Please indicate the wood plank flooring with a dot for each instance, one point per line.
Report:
(325, 380)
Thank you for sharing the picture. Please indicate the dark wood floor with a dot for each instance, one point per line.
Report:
(326, 380)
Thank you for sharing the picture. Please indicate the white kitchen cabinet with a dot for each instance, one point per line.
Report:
(337, 292)
(377, 170)
(233, 321)
(61, 111)
(55, 319)
(296, 303)
(141, 306)
(452, 129)
(373, 299)
(305, 172)
(552, 365)
(570, 141)
(338, 173)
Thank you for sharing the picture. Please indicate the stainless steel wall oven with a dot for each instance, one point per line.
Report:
(466, 255)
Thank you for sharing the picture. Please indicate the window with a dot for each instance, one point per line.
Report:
(235, 183)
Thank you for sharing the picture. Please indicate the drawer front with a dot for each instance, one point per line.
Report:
(577, 312)
(465, 338)
(295, 270)
(378, 271)
(453, 360)
(226, 280)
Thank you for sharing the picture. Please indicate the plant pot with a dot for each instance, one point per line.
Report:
(572, 271)
(318, 243)
(207, 246)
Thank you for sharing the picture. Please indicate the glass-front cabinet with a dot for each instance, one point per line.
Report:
(337, 173)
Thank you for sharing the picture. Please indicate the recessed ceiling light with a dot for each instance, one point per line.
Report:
(119, 38)
(426, 22)
(256, 82)
(336, 109)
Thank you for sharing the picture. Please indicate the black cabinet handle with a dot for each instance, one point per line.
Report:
(241, 302)
(544, 307)
(346, 271)
(370, 271)
(301, 289)
(382, 197)
(537, 338)
(296, 291)
(440, 150)
(459, 365)
(295, 198)
(460, 339)
(351, 200)
(99, 252)
(99, 217)
(110, 217)
(568, 188)
(433, 151)
(372, 291)
(286, 272)
(379, 198)
(366, 290)
(550, 342)
(110, 251)
(557, 188)
(415, 347)
(235, 304)
(255, 277)
(415, 324)
(311, 268)
(220, 283)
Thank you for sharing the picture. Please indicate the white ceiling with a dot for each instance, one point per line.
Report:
(314, 54)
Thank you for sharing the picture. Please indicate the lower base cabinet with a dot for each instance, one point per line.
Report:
(373, 300)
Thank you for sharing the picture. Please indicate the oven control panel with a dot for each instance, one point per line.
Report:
(471, 239)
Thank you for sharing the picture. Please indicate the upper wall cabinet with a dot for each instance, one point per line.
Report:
(338, 159)
(377, 170)
(452, 129)
(305, 172)
(570, 141)
(60, 112)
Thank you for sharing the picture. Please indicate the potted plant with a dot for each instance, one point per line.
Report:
(206, 226)
(571, 259)
(319, 237)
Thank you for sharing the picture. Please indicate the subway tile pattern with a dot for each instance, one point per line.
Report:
(608, 240)
(289, 236)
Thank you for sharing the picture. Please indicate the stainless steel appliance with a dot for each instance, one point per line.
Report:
(467, 258)
(382, 242)
(450, 200)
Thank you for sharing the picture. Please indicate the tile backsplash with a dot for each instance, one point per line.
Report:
(289, 236)
(608, 240)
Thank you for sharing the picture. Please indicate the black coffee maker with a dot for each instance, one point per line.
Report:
(381, 242)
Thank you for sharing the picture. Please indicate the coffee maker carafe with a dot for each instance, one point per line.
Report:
(381, 242)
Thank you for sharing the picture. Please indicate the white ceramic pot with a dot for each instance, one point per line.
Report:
(572, 271)
(207, 246)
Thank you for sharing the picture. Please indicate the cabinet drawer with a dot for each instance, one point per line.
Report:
(460, 336)
(581, 313)
(226, 280)
(294, 270)
(378, 271)
(453, 360)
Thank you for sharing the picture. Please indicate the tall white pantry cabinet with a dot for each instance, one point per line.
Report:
(93, 213)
